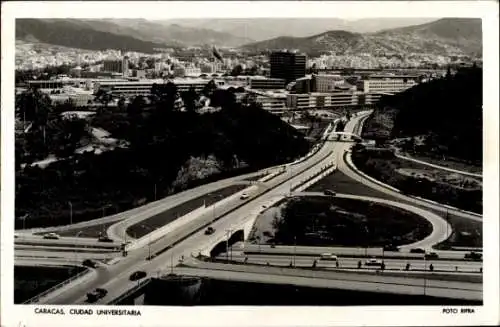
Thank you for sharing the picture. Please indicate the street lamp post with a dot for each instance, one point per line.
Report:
(228, 234)
(294, 249)
(70, 213)
(77, 235)
(425, 274)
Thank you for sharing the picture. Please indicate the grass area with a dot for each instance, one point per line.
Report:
(90, 231)
(466, 233)
(146, 226)
(31, 281)
(420, 180)
(341, 183)
(322, 221)
(449, 163)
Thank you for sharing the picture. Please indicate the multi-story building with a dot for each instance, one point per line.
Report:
(386, 85)
(322, 100)
(115, 66)
(192, 72)
(272, 103)
(263, 83)
(327, 83)
(287, 65)
(143, 87)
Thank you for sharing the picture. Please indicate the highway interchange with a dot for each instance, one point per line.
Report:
(231, 214)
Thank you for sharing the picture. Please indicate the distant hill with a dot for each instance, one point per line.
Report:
(444, 36)
(261, 29)
(79, 35)
(125, 34)
(191, 36)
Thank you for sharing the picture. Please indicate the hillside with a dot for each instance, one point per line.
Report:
(126, 34)
(190, 36)
(448, 111)
(79, 35)
(442, 37)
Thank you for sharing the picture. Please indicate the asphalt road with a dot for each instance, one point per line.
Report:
(347, 262)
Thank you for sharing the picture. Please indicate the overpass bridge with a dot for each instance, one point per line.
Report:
(344, 137)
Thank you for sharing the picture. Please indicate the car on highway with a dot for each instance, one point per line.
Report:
(475, 256)
(138, 275)
(244, 196)
(417, 250)
(329, 193)
(96, 294)
(104, 239)
(209, 231)
(51, 236)
(373, 262)
(431, 255)
(89, 263)
(328, 257)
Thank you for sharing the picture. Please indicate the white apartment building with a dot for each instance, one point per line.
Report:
(272, 103)
(322, 100)
(386, 85)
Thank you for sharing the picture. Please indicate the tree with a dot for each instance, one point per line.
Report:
(189, 98)
(237, 70)
(134, 109)
(209, 88)
(34, 106)
(121, 104)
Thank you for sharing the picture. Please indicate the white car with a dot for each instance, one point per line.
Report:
(373, 262)
(51, 236)
(328, 256)
(244, 196)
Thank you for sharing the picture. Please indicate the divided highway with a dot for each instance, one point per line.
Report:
(231, 215)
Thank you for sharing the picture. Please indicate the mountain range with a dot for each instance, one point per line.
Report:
(446, 36)
(442, 36)
(260, 29)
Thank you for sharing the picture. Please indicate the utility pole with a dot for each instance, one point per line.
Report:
(228, 234)
(70, 213)
(155, 191)
(294, 249)
(425, 274)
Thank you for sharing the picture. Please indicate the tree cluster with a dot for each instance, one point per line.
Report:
(448, 109)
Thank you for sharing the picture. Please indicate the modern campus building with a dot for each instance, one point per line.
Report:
(143, 87)
(287, 65)
(264, 83)
(328, 100)
(385, 85)
(117, 66)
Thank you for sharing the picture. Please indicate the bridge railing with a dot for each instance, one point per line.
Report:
(130, 291)
(36, 298)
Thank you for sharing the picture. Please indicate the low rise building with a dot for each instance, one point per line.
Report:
(388, 85)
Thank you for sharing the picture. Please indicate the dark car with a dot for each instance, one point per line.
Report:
(89, 263)
(97, 294)
(138, 275)
(105, 239)
(431, 255)
(418, 250)
(209, 231)
(329, 192)
(473, 256)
